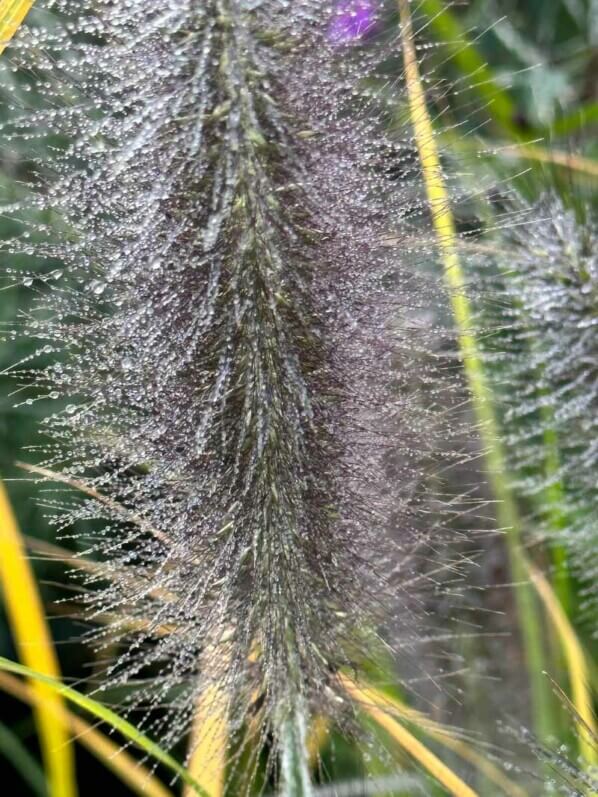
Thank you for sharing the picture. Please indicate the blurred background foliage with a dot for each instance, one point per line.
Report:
(527, 99)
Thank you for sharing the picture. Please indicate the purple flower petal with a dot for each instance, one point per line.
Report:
(353, 20)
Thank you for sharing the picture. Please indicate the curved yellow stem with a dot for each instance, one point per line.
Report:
(369, 701)
(12, 14)
(446, 235)
(444, 736)
(35, 648)
(129, 771)
(576, 665)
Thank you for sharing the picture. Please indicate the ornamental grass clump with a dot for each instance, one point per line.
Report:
(231, 340)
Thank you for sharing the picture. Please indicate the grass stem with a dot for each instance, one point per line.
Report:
(296, 780)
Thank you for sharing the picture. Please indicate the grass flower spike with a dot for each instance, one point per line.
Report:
(234, 385)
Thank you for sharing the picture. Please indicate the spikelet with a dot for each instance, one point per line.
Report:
(237, 385)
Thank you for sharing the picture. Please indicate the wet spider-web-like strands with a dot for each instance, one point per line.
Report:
(241, 390)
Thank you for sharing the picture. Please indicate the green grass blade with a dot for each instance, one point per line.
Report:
(129, 731)
(470, 62)
(129, 771)
(14, 751)
(295, 757)
(575, 122)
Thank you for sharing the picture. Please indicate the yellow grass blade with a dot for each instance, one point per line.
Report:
(444, 736)
(207, 760)
(576, 665)
(209, 742)
(12, 13)
(35, 648)
(575, 163)
(369, 701)
(105, 714)
(447, 239)
(130, 772)
(317, 737)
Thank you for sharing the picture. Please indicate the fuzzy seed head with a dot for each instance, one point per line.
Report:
(237, 390)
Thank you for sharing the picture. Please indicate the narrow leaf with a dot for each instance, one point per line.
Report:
(369, 702)
(103, 713)
(15, 751)
(576, 664)
(447, 239)
(567, 160)
(12, 13)
(468, 59)
(295, 756)
(209, 740)
(35, 647)
(129, 771)
(443, 735)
